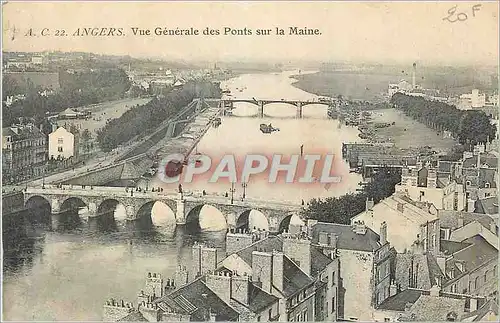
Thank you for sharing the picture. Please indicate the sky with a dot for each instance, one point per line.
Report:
(350, 31)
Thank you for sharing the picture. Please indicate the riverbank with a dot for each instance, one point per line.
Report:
(352, 86)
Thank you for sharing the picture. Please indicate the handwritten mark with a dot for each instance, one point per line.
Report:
(453, 16)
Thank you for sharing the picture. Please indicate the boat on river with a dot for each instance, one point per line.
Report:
(268, 128)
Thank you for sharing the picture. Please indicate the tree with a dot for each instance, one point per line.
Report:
(342, 209)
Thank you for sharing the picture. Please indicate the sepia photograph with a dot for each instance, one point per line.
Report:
(250, 161)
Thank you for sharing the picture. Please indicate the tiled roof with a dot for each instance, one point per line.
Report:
(23, 133)
(398, 302)
(197, 300)
(259, 299)
(294, 279)
(487, 159)
(487, 175)
(444, 166)
(319, 261)
(133, 317)
(431, 308)
(479, 314)
(488, 205)
(449, 219)
(403, 264)
(449, 247)
(477, 254)
(347, 238)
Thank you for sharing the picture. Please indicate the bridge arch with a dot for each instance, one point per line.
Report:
(39, 210)
(70, 213)
(206, 217)
(252, 220)
(109, 212)
(285, 223)
(156, 214)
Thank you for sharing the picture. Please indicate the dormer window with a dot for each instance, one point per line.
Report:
(487, 185)
(467, 183)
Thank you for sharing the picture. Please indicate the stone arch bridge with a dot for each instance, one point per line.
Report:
(100, 199)
(299, 104)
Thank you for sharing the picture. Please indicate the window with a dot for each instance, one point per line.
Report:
(487, 185)
(476, 285)
(422, 193)
(487, 194)
(467, 183)
(387, 319)
(258, 318)
(303, 294)
(60, 149)
(270, 313)
(304, 316)
(60, 141)
(333, 278)
(333, 304)
(297, 318)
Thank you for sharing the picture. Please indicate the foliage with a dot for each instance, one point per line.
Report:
(78, 89)
(145, 118)
(471, 127)
(342, 209)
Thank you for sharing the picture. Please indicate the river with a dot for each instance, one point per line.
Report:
(69, 275)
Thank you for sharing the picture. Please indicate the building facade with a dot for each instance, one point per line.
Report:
(24, 152)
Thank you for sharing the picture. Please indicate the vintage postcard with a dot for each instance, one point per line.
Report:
(250, 161)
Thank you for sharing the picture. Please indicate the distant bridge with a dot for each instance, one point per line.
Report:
(101, 202)
(299, 104)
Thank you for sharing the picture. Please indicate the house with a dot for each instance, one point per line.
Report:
(364, 260)
(433, 185)
(24, 152)
(289, 266)
(434, 305)
(404, 218)
(62, 144)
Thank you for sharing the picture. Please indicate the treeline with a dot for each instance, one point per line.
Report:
(341, 209)
(469, 126)
(78, 89)
(143, 119)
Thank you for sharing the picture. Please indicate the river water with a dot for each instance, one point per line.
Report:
(68, 275)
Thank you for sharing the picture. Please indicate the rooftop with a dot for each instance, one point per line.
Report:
(473, 256)
(347, 238)
(450, 219)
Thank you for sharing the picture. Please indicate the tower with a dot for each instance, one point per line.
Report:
(413, 77)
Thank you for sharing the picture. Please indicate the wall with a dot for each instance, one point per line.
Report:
(12, 202)
(67, 144)
(98, 177)
(356, 273)
(305, 305)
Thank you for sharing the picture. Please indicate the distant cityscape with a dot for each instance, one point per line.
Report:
(84, 134)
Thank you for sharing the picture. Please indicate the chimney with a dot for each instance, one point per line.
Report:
(262, 266)
(310, 224)
(323, 238)
(435, 290)
(473, 304)
(277, 270)
(154, 285)
(220, 284)
(400, 207)
(240, 288)
(460, 220)
(181, 276)
(213, 317)
(299, 250)
(471, 205)
(393, 289)
(369, 204)
(359, 227)
(237, 241)
(333, 240)
(383, 233)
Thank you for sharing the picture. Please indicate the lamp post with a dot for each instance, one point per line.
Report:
(244, 185)
(232, 190)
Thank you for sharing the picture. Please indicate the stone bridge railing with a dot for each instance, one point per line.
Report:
(181, 205)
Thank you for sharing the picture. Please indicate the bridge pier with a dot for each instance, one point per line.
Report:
(180, 216)
(54, 221)
(93, 223)
(298, 110)
(261, 109)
